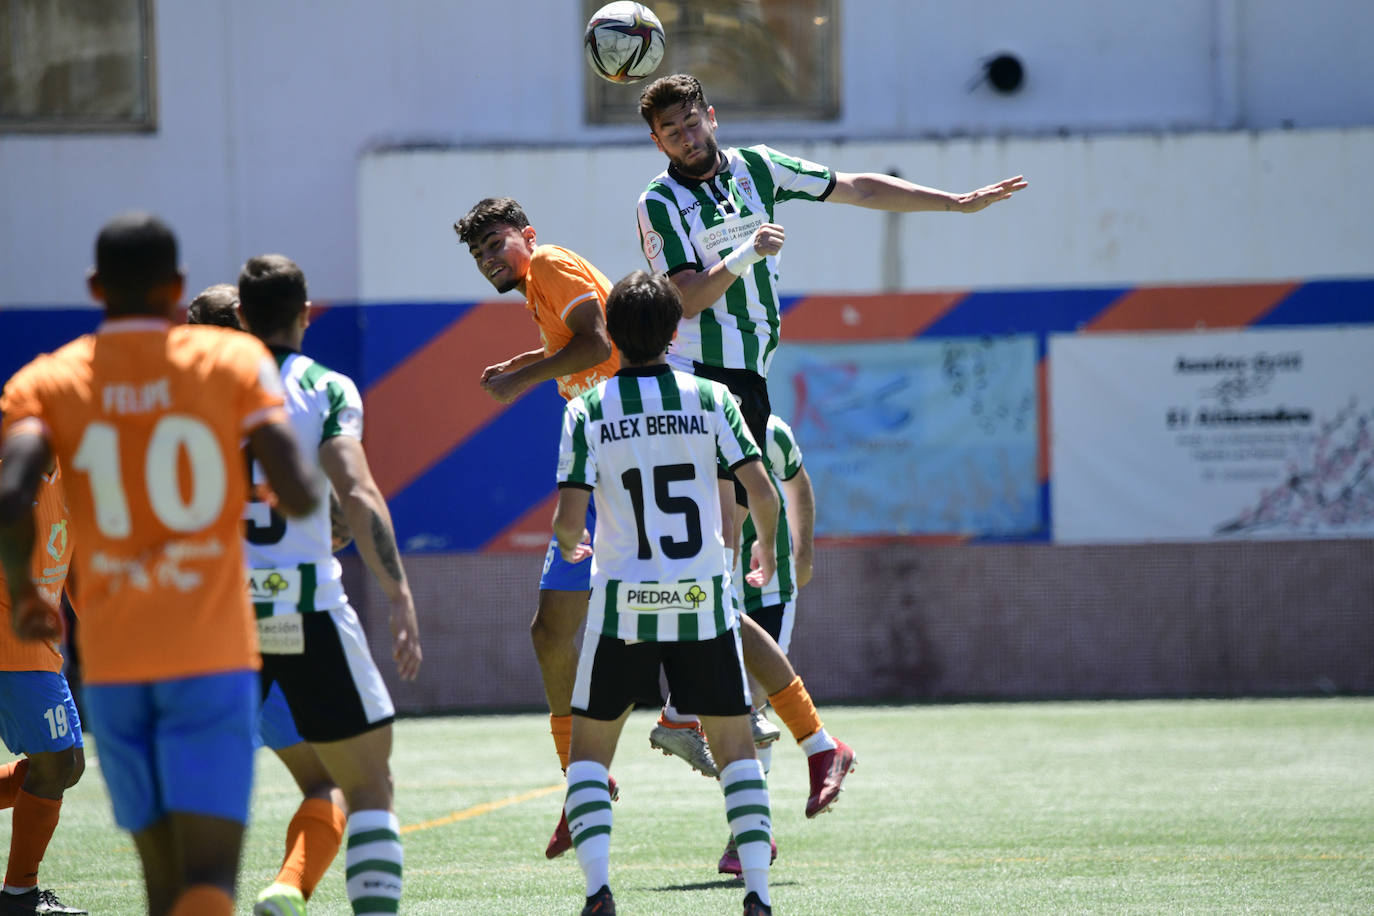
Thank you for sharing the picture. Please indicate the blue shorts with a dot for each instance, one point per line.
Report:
(276, 727)
(562, 576)
(182, 745)
(37, 713)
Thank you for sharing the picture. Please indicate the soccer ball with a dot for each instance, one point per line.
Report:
(624, 42)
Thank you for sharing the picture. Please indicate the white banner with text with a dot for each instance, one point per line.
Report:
(1261, 433)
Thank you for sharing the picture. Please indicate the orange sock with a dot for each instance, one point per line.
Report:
(203, 900)
(312, 841)
(794, 707)
(34, 821)
(561, 726)
(12, 780)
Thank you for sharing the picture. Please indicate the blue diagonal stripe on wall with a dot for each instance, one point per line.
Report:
(481, 487)
(1325, 302)
(1020, 311)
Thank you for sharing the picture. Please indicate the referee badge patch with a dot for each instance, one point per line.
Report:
(653, 244)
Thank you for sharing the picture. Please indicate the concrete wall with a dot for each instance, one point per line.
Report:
(1100, 210)
(915, 622)
(266, 106)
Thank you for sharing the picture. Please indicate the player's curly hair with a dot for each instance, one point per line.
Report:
(217, 305)
(486, 214)
(642, 312)
(667, 91)
(272, 293)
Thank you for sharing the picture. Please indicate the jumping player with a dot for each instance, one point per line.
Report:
(708, 222)
(566, 296)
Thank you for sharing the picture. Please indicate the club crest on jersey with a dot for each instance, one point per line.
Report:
(661, 597)
(57, 540)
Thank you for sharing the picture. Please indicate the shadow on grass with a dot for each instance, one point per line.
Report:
(716, 885)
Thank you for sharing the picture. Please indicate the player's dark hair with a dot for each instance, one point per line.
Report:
(217, 305)
(272, 293)
(642, 313)
(134, 253)
(487, 214)
(667, 91)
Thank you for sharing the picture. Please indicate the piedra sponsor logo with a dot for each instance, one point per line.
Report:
(664, 598)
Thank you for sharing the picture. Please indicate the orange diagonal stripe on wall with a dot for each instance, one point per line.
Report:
(896, 315)
(1175, 308)
(423, 408)
(530, 532)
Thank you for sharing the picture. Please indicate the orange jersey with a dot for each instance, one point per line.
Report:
(558, 282)
(146, 421)
(52, 555)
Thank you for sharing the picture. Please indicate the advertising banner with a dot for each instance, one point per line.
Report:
(915, 437)
(1262, 433)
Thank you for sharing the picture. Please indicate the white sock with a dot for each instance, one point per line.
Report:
(588, 807)
(765, 755)
(751, 824)
(670, 714)
(11, 889)
(374, 861)
(816, 742)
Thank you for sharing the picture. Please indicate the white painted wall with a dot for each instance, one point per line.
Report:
(266, 106)
(1099, 210)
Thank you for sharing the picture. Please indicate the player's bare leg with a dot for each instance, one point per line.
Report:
(37, 802)
(558, 620)
(746, 799)
(587, 804)
(190, 862)
(313, 835)
(828, 759)
(361, 767)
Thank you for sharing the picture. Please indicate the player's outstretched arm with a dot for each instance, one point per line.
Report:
(274, 447)
(887, 192)
(345, 463)
(23, 458)
(801, 522)
(763, 509)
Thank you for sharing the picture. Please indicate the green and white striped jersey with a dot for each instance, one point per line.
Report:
(648, 444)
(688, 223)
(291, 566)
(783, 458)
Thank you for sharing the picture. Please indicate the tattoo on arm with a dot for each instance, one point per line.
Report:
(385, 542)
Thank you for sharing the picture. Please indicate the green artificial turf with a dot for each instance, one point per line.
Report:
(1188, 806)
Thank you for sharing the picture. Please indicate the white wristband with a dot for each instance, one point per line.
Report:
(742, 258)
